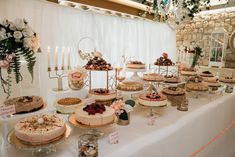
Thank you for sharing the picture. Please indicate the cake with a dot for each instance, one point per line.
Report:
(98, 63)
(152, 99)
(172, 79)
(94, 114)
(227, 79)
(68, 105)
(136, 65)
(188, 71)
(153, 77)
(40, 129)
(102, 94)
(130, 86)
(196, 78)
(206, 74)
(164, 61)
(25, 104)
(175, 95)
(197, 86)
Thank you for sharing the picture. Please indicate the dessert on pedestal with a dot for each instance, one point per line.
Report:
(188, 71)
(153, 77)
(164, 61)
(206, 74)
(175, 95)
(40, 129)
(95, 115)
(152, 99)
(136, 65)
(172, 79)
(98, 63)
(102, 94)
(227, 79)
(68, 105)
(25, 104)
(130, 86)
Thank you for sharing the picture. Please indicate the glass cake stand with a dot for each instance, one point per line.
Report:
(38, 150)
(152, 109)
(94, 130)
(135, 76)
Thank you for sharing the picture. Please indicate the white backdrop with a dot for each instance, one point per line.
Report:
(63, 26)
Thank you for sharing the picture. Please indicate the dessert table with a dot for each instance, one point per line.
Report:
(174, 134)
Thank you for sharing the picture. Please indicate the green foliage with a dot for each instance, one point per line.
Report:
(29, 56)
(197, 54)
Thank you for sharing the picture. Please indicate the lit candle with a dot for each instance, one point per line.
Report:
(68, 58)
(56, 57)
(48, 57)
(62, 58)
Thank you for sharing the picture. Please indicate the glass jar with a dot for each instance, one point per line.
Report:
(76, 85)
(88, 145)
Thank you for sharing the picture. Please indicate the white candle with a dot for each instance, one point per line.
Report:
(68, 58)
(56, 57)
(63, 57)
(49, 57)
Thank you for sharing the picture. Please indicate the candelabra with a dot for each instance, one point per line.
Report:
(59, 74)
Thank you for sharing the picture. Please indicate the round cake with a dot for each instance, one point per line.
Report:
(152, 99)
(153, 77)
(98, 63)
(206, 74)
(175, 95)
(102, 94)
(188, 71)
(164, 61)
(130, 86)
(136, 65)
(172, 79)
(95, 114)
(68, 105)
(25, 104)
(40, 129)
(197, 86)
(227, 79)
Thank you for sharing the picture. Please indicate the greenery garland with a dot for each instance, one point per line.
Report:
(17, 41)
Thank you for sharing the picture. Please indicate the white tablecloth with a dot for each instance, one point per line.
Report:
(175, 133)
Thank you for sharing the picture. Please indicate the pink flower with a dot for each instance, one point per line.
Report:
(4, 64)
(117, 105)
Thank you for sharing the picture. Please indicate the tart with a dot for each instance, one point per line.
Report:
(197, 86)
(206, 74)
(196, 78)
(175, 95)
(172, 79)
(102, 94)
(95, 114)
(227, 79)
(164, 61)
(68, 105)
(136, 65)
(98, 63)
(152, 99)
(188, 71)
(25, 104)
(40, 129)
(153, 77)
(130, 86)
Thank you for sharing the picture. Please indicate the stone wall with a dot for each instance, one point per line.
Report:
(200, 29)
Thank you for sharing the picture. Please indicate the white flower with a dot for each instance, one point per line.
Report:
(5, 22)
(32, 43)
(17, 34)
(12, 26)
(19, 24)
(2, 34)
(27, 32)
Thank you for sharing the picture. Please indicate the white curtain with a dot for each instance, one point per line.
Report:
(64, 26)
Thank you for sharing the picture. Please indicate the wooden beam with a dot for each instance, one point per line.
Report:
(132, 8)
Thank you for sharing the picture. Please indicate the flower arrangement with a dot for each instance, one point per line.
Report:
(17, 41)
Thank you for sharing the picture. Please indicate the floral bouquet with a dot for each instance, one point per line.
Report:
(76, 78)
(122, 110)
(17, 41)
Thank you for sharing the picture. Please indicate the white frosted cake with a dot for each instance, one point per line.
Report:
(152, 99)
(95, 114)
(40, 129)
(102, 94)
(68, 105)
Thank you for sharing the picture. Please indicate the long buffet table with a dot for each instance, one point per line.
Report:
(198, 132)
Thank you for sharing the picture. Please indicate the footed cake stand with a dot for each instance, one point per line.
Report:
(38, 150)
(152, 111)
(94, 130)
(135, 76)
